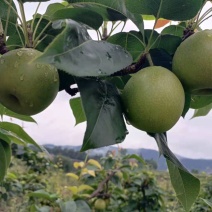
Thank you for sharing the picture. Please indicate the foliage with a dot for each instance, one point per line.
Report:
(100, 69)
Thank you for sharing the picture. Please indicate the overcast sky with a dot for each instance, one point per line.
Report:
(56, 125)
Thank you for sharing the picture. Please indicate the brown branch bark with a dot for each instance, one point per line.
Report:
(3, 48)
(101, 185)
(133, 68)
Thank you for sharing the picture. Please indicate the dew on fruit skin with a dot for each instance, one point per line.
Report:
(2, 61)
(55, 79)
(19, 53)
(16, 64)
(22, 77)
(30, 53)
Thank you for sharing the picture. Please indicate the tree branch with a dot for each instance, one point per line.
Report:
(133, 68)
(101, 186)
(3, 48)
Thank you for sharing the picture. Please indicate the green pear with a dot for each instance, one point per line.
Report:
(26, 87)
(192, 63)
(153, 99)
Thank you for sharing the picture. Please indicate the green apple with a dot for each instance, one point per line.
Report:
(26, 87)
(192, 63)
(153, 99)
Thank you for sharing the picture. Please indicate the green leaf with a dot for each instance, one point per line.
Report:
(160, 57)
(177, 10)
(41, 194)
(82, 206)
(117, 5)
(207, 202)
(136, 157)
(102, 106)
(52, 9)
(23, 1)
(202, 111)
(19, 132)
(186, 186)
(65, 206)
(12, 18)
(176, 30)
(85, 16)
(77, 108)
(74, 52)
(7, 112)
(8, 151)
(198, 102)
(131, 41)
(3, 163)
(167, 42)
(107, 14)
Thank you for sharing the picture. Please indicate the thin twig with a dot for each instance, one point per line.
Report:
(101, 185)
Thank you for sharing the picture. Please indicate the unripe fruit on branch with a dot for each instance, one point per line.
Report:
(153, 99)
(192, 63)
(100, 204)
(26, 87)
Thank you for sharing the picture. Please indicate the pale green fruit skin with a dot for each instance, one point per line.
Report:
(100, 204)
(26, 87)
(192, 63)
(153, 99)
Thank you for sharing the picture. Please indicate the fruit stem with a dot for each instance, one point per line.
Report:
(149, 59)
(24, 23)
(113, 28)
(104, 30)
(156, 19)
(7, 21)
(38, 37)
(34, 16)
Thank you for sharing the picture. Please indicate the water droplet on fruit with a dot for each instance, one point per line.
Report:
(16, 64)
(30, 53)
(55, 79)
(19, 53)
(2, 61)
(22, 77)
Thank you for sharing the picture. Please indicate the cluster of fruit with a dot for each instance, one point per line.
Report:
(154, 97)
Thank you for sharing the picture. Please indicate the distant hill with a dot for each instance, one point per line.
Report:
(202, 165)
